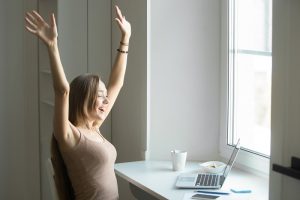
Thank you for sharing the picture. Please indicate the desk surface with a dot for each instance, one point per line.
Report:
(158, 179)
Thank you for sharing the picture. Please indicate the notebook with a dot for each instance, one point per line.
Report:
(208, 180)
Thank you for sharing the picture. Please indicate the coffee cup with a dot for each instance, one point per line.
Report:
(178, 159)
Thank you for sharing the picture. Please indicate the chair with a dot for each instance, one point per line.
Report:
(50, 172)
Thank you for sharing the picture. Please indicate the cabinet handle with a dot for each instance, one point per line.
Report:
(293, 171)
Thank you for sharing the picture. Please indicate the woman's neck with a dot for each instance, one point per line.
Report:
(87, 124)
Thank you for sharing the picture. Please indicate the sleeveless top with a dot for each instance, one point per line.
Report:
(90, 166)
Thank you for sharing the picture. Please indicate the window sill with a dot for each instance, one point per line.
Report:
(249, 180)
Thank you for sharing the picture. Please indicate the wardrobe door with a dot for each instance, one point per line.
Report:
(99, 46)
(71, 19)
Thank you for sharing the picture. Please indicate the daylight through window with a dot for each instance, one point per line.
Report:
(250, 68)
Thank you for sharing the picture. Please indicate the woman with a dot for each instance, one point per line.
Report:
(79, 111)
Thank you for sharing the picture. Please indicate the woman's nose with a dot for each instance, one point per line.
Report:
(106, 100)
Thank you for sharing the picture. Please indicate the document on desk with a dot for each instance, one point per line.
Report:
(189, 196)
(200, 196)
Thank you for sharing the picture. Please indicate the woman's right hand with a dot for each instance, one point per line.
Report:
(37, 25)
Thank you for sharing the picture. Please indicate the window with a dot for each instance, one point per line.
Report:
(249, 74)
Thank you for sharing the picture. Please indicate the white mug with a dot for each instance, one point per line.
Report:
(178, 159)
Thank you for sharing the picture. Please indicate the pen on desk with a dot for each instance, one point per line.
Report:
(213, 192)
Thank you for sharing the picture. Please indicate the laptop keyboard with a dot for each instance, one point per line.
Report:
(207, 180)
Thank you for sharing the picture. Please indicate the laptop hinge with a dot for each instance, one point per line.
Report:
(222, 179)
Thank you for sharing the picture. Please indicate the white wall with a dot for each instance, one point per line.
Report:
(19, 156)
(184, 84)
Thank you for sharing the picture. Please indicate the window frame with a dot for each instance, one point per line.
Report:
(246, 160)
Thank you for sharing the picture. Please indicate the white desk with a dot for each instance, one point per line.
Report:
(157, 179)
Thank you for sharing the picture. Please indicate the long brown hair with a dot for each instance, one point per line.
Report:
(82, 99)
(61, 178)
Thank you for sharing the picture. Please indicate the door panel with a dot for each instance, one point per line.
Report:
(285, 96)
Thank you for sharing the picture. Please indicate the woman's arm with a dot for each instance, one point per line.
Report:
(118, 71)
(48, 34)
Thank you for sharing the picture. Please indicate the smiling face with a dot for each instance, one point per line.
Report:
(87, 100)
(98, 113)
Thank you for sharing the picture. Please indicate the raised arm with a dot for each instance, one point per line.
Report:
(48, 34)
(118, 71)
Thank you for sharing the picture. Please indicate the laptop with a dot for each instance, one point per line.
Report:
(208, 180)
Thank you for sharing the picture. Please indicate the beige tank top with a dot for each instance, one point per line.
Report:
(90, 166)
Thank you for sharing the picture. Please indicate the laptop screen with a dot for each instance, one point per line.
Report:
(232, 159)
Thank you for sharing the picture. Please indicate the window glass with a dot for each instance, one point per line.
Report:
(250, 68)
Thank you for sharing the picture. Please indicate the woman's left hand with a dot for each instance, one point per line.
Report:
(124, 25)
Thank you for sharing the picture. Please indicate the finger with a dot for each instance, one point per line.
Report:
(31, 30)
(53, 21)
(118, 12)
(30, 23)
(119, 22)
(37, 16)
(30, 17)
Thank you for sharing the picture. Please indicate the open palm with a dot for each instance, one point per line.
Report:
(37, 25)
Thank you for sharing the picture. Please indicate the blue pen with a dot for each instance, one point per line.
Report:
(213, 192)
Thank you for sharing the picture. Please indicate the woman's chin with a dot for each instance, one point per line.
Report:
(101, 117)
